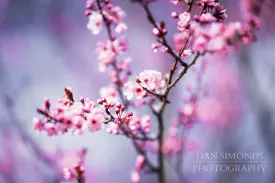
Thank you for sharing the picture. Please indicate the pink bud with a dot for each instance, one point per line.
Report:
(87, 13)
(174, 15)
(130, 114)
(82, 100)
(140, 162)
(117, 111)
(156, 32)
(47, 103)
(164, 31)
(99, 101)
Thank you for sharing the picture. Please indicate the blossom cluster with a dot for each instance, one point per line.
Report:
(69, 114)
(108, 51)
(207, 32)
(147, 82)
(73, 169)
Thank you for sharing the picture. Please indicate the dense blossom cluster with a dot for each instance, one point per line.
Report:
(198, 34)
(147, 82)
(207, 32)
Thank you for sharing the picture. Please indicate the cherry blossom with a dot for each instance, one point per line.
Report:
(95, 23)
(109, 93)
(95, 120)
(183, 22)
(133, 89)
(135, 177)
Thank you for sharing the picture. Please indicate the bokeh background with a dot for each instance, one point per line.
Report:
(45, 46)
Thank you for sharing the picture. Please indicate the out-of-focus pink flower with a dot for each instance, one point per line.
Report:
(180, 39)
(222, 107)
(109, 93)
(188, 109)
(184, 21)
(72, 164)
(217, 44)
(106, 54)
(207, 18)
(95, 22)
(51, 129)
(140, 160)
(135, 177)
(145, 123)
(200, 43)
(38, 124)
(113, 129)
(185, 17)
(120, 28)
(120, 45)
(116, 14)
(171, 145)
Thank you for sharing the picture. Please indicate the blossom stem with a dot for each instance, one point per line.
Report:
(184, 71)
(163, 39)
(124, 101)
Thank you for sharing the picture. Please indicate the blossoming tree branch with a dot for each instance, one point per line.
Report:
(202, 30)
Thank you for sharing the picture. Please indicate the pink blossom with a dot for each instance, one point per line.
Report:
(51, 129)
(207, 18)
(95, 23)
(188, 109)
(216, 44)
(185, 17)
(145, 123)
(110, 94)
(180, 39)
(79, 124)
(106, 54)
(116, 14)
(171, 145)
(133, 125)
(124, 65)
(187, 52)
(133, 89)
(120, 45)
(135, 177)
(38, 124)
(95, 120)
(72, 164)
(88, 105)
(113, 128)
(150, 79)
(140, 160)
(120, 28)
(200, 43)
(184, 21)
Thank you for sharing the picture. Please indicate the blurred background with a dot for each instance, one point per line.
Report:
(45, 46)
